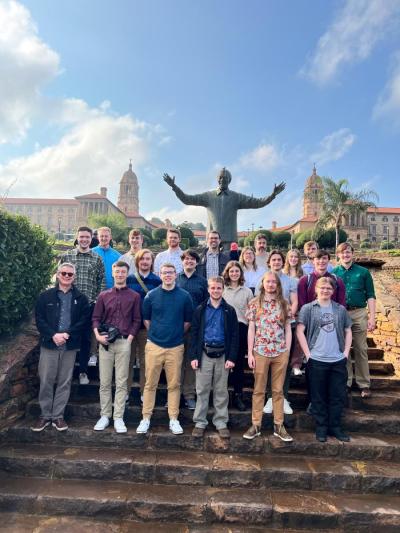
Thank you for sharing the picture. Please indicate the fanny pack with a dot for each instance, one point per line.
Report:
(214, 351)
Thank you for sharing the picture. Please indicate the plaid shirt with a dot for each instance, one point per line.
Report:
(90, 278)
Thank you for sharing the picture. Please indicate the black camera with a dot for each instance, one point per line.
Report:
(111, 331)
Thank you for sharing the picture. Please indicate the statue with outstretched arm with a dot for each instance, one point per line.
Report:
(223, 204)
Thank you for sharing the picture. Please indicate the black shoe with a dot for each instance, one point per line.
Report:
(238, 402)
(338, 433)
(320, 434)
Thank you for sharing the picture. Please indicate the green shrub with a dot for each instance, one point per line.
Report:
(387, 245)
(365, 244)
(26, 264)
(249, 240)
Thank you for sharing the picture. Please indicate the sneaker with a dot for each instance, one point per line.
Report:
(175, 427)
(252, 432)
(190, 404)
(366, 393)
(166, 405)
(286, 407)
(60, 424)
(93, 360)
(141, 399)
(143, 427)
(268, 407)
(198, 432)
(41, 424)
(119, 425)
(127, 398)
(224, 433)
(83, 379)
(280, 431)
(102, 423)
(297, 372)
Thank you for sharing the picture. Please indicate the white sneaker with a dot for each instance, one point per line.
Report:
(127, 398)
(286, 407)
(144, 425)
(92, 360)
(175, 427)
(268, 407)
(119, 425)
(102, 423)
(141, 398)
(297, 372)
(83, 379)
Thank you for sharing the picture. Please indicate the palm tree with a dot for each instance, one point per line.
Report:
(337, 202)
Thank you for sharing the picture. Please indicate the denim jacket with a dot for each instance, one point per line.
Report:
(310, 316)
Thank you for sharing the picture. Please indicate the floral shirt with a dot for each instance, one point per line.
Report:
(270, 332)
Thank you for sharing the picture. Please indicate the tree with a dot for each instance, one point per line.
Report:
(249, 240)
(187, 233)
(327, 239)
(281, 239)
(147, 237)
(337, 202)
(115, 222)
(159, 235)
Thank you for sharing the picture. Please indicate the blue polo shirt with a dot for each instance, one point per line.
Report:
(167, 311)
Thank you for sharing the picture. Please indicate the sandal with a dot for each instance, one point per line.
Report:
(365, 393)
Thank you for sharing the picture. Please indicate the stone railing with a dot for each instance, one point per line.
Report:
(387, 332)
(19, 381)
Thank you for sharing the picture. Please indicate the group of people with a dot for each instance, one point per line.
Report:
(204, 318)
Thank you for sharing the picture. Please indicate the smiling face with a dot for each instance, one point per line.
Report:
(275, 262)
(104, 238)
(145, 262)
(65, 276)
(84, 240)
(189, 263)
(215, 290)
(119, 273)
(324, 290)
(260, 246)
(321, 264)
(136, 241)
(293, 258)
(168, 276)
(346, 256)
(234, 274)
(173, 240)
(213, 241)
(310, 250)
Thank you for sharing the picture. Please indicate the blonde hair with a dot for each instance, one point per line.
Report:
(282, 303)
(298, 268)
(241, 258)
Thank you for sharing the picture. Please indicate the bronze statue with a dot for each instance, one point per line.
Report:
(222, 204)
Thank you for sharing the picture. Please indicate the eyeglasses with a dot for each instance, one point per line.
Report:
(168, 273)
(67, 274)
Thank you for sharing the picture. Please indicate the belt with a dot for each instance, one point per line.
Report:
(215, 346)
(122, 336)
(352, 308)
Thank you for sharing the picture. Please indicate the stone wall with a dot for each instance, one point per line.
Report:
(19, 382)
(387, 332)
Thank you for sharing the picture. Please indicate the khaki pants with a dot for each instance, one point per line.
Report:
(158, 358)
(188, 376)
(278, 372)
(137, 349)
(359, 318)
(117, 356)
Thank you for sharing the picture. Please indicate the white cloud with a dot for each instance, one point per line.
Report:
(190, 213)
(334, 146)
(388, 105)
(263, 158)
(356, 30)
(26, 65)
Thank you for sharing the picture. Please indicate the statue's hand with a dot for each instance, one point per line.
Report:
(279, 188)
(169, 180)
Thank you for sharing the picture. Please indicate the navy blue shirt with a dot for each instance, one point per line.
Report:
(195, 285)
(167, 311)
(214, 325)
(151, 281)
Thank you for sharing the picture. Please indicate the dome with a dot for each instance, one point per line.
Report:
(314, 181)
(129, 176)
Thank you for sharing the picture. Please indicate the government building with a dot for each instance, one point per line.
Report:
(376, 224)
(63, 216)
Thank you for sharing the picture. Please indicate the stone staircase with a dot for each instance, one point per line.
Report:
(161, 482)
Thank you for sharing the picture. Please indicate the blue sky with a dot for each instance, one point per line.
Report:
(263, 87)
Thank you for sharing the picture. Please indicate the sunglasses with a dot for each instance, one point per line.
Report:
(67, 274)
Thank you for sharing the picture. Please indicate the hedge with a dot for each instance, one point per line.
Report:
(26, 264)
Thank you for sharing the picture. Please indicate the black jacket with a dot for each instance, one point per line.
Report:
(223, 260)
(47, 314)
(231, 332)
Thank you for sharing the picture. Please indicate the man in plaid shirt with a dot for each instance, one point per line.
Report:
(90, 280)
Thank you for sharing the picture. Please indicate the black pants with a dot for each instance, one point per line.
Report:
(86, 341)
(236, 377)
(327, 382)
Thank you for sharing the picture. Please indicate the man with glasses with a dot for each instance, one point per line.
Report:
(90, 280)
(167, 314)
(61, 316)
(213, 260)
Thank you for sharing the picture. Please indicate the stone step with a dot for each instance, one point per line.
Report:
(201, 505)
(353, 420)
(371, 342)
(298, 398)
(381, 367)
(194, 468)
(20, 523)
(361, 447)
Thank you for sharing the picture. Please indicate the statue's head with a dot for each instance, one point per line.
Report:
(224, 178)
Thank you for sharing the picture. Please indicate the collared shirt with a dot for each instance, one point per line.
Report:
(151, 281)
(90, 275)
(238, 298)
(214, 325)
(358, 283)
(289, 286)
(109, 257)
(270, 329)
(212, 264)
(308, 267)
(195, 285)
(65, 310)
(252, 278)
(119, 308)
(168, 257)
(129, 259)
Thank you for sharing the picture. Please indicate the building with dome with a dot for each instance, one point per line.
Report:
(64, 216)
(376, 224)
